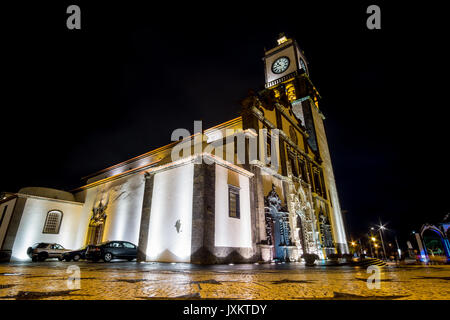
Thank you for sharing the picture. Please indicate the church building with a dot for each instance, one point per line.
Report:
(203, 206)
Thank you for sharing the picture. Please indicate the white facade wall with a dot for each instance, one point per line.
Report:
(124, 210)
(124, 207)
(171, 202)
(32, 224)
(232, 232)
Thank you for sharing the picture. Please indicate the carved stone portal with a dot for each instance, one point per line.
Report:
(302, 219)
(97, 223)
(278, 228)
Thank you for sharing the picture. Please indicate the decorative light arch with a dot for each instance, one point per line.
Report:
(442, 236)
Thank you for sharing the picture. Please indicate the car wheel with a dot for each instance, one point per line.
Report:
(34, 258)
(42, 256)
(76, 257)
(60, 258)
(67, 259)
(107, 257)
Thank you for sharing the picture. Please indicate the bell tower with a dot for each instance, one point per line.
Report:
(284, 62)
(287, 73)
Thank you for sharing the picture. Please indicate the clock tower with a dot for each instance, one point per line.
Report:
(284, 62)
(288, 84)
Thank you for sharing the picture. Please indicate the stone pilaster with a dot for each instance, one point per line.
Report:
(258, 191)
(14, 223)
(203, 214)
(209, 198)
(338, 227)
(145, 217)
(254, 213)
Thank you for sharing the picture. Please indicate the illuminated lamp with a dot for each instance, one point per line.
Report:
(290, 91)
(282, 39)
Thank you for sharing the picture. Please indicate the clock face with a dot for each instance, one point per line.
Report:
(280, 65)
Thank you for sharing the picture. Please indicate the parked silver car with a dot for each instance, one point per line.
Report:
(41, 251)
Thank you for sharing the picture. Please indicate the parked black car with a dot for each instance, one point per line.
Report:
(75, 255)
(112, 250)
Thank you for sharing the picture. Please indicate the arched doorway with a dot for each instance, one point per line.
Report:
(280, 233)
(304, 221)
(278, 230)
(300, 233)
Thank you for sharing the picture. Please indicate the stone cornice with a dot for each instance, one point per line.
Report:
(8, 198)
(115, 177)
(199, 158)
(269, 170)
(28, 196)
(228, 165)
(153, 152)
(153, 169)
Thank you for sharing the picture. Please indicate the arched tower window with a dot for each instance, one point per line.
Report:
(53, 222)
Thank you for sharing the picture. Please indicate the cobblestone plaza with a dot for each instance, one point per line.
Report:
(131, 280)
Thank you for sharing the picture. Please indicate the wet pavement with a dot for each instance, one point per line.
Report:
(56, 280)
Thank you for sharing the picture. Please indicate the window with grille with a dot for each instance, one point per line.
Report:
(53, 222)
(233, 202)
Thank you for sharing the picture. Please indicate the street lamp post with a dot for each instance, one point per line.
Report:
(382, 241)
(398, 249)
(360, 247)
(370, 245)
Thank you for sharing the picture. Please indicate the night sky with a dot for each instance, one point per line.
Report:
(75, 102)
